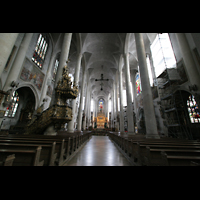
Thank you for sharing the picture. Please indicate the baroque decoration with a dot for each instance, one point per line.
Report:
(59, 113)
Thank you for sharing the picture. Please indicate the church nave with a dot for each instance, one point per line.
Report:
(99, 151)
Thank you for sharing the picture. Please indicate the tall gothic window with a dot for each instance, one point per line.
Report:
(138, 84)
(40, 50)
(162, 53)
(55, 69)
(92, 105)
(12, 108)
(101, 105)
(193, 110)
(72, 79)
(109, 105)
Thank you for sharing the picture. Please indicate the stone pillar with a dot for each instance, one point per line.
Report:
(47, 80)
(81, 101)
(64, 55)
(7, 41)
(62, 62)
(149, 112)
(113, 106)
(190, 65)
(17, 64)
(86, 105)
(133, 73)
(76, 80)
(116, 102)
(121, 99)
(129, 97)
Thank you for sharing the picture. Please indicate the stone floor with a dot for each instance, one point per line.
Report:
(99, 151)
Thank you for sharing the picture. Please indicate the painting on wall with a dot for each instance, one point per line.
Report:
(32, 74)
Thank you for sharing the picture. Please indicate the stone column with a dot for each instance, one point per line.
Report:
(113, 106)
(121, 99)
(62, 62)
(116, 101)
(190, 65)
(64, 55)
(133, 73)
(7, 41)
(149, 112)
(86, 105)
(81, 101)
(89, 107)
(47, 80)
(129, 97)
(76, 80)
(17, 64)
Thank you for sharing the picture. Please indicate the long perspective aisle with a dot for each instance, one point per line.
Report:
(99, 151)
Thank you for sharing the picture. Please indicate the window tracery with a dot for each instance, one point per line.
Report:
(40, 50)
(12, 108)
(193, 110)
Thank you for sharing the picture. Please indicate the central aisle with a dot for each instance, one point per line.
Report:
(99, 151)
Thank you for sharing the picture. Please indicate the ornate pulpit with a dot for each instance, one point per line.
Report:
(60, 112)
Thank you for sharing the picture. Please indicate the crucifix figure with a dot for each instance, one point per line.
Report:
(101, 80)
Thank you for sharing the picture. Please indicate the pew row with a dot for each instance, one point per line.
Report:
(55, 150)
(149, 152)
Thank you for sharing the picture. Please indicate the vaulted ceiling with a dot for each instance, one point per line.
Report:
(101, 55)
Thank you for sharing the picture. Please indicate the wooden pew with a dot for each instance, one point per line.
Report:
(47, 152)
(8, 161)
(64, 147)
(62, 143)
(142, 151)
(57, 150)
(192, 163)
(169, 160)
(23, 157)
(131, 145)
(153, 157)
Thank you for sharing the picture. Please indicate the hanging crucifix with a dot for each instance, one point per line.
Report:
(101, 80)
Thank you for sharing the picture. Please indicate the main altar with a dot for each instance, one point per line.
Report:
(101, 120)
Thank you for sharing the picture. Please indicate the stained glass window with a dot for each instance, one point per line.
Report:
(193, 110)
(40, 50)
(55, 69)
(101, 104)
(12, 108)
(138, 85)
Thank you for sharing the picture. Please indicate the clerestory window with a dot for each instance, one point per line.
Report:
(40, 50)
(162, 53)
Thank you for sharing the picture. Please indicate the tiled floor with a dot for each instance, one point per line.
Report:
(99, 151)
